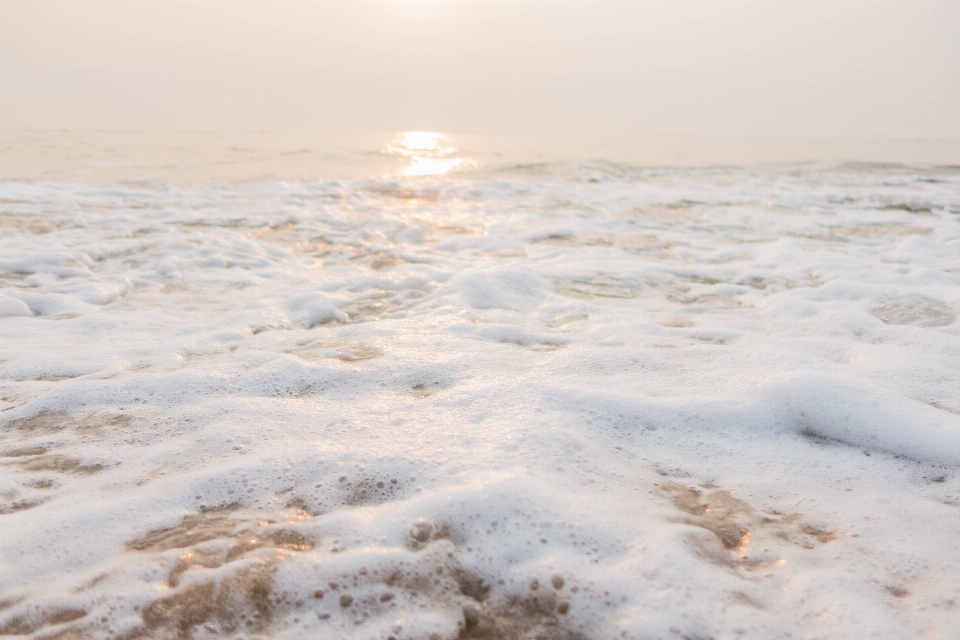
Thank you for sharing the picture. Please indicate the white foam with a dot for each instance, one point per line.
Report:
(589, 403)
(13, 307)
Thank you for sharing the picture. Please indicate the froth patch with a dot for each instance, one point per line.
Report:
(52, 304)
(311, 309)
(506, 334)
(11, 307)
(514, 288)
(828, 410)
(920, 312)
(354, 489)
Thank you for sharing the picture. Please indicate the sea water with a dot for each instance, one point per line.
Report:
(571, 401)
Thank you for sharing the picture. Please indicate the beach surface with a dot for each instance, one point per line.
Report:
(466, 397)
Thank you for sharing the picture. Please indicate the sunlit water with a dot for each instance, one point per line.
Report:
(553, 400)
(427, 154)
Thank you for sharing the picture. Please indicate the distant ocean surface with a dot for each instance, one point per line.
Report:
(464, 395)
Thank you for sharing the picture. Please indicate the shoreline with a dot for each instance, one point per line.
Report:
(204, 158)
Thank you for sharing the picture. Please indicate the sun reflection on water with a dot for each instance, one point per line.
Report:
(427, 153)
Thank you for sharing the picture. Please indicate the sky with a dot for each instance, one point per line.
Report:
(782, 68)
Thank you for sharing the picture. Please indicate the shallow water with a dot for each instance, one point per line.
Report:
(580, 401)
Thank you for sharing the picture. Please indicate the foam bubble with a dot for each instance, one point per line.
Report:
(12, 307)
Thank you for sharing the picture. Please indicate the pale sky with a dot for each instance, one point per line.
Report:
(784, 68)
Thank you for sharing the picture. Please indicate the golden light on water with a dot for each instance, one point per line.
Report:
(427, 153)
(415, 142)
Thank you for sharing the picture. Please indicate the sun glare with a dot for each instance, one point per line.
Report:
(428, 153)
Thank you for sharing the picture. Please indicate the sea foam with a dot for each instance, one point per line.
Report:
(583, 404)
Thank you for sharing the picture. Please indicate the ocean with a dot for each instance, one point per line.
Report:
(466, 396)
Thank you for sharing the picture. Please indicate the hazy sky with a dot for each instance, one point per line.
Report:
(833, 68)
